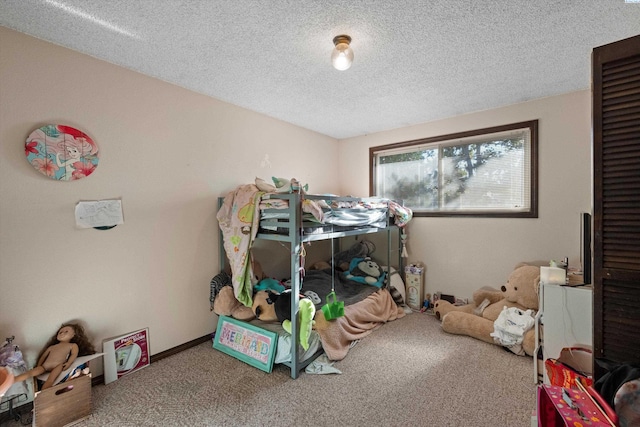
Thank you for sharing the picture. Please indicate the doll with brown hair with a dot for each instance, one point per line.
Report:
(60, 352)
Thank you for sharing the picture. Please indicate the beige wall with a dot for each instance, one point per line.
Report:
(463, 254)
(168, 153)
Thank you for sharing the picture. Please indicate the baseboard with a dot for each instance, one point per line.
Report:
(97, 380)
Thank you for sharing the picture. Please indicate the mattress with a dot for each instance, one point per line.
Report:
(333, 221)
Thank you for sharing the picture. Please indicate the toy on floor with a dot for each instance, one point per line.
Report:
(477, 320)
(425, 303)
(60, 352)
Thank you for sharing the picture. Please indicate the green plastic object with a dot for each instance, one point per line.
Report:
(333, 308)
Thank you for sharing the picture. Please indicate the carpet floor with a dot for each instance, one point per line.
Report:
(407, 373)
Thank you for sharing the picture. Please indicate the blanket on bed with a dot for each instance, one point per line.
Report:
(359, 321)
(349, 291)
(238, 220)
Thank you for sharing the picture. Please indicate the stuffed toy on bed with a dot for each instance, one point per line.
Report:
(307, 311)
(281, 185)
(226, 304)
(270, 306)
(269, 284)
(367, 271)
(222, 296)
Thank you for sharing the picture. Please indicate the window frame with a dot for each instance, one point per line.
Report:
(532, 125)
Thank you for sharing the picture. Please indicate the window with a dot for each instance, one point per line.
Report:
(487, 172)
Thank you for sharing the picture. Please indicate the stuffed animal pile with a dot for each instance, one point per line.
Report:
(477, 319)
(271, 301)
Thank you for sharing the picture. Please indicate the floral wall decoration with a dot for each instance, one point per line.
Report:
(61, 152)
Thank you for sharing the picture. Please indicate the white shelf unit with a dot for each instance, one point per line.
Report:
(566, 317)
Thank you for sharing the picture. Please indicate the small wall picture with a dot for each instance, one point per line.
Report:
(61, 152)
(125, 354)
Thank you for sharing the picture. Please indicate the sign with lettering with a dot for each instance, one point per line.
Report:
(246, 342)
(125, 354)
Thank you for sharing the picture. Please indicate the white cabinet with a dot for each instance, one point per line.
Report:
(567, 319)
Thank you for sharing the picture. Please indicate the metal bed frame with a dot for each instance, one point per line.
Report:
(294, 226)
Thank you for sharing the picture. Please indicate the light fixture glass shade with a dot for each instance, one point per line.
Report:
(342, 55)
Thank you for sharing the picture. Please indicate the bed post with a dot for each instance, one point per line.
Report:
(295, 235)
(222, 256)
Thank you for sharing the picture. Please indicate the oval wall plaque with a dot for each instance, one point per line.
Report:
(61, 152)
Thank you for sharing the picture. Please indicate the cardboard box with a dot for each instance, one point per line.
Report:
(414, 277)
(64, 404)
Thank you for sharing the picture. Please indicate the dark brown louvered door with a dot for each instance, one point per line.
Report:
(616, 266)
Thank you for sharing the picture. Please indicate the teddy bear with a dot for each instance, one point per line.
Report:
(477, 319)
(226, 304)
(223, 299)
(365, 270)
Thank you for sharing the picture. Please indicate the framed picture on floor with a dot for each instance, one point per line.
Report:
(125, 354)
(246, 342)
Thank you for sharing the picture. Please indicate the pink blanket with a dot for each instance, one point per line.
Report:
(360, 319)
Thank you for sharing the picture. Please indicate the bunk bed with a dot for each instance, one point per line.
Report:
(294, 218)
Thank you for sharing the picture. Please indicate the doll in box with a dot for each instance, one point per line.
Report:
(60, 352)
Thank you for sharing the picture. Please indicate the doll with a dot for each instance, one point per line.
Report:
(59, 353)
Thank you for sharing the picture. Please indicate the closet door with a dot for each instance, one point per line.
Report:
(616, 264)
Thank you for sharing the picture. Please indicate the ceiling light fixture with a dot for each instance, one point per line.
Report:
(342, 55)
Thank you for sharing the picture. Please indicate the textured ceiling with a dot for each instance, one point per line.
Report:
(415, 60)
